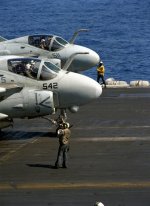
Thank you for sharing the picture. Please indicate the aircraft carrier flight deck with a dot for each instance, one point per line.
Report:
(109, 157)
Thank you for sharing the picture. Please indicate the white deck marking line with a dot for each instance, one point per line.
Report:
(88, 185)
(115, 127)
(110, 139)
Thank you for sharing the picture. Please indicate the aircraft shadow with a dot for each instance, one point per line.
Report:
(23, 135)
(42, 166)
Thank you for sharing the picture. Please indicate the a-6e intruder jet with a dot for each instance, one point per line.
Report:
(31, 87)
(51, 46)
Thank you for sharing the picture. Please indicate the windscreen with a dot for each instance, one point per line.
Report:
(58, 44)
(49, 71)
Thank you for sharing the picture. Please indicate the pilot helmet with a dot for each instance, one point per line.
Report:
(42, 40)
(28, 66)
(98, 204)
(32, 62)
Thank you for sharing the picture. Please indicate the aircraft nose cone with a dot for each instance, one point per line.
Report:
(86, 60)
(94, 89)
(98, 90)
(77, 89)
(93, 58)
(89, 89)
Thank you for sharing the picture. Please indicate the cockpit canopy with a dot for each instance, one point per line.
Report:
(48, 42)
(33, 68)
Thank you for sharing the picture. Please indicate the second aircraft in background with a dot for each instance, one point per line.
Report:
(51, 46)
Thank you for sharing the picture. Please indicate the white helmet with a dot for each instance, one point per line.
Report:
(32, 62)
(28, 66)
(99, 204)
(68, 125)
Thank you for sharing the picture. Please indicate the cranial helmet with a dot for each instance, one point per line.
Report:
(66, 125)
(32, 62)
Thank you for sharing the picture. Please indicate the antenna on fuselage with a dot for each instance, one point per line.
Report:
(76, 34)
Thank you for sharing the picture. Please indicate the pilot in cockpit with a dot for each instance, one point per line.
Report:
(48, 42)
(29, 69)
(42, 44)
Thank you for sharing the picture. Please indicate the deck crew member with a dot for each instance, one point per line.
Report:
(63, 134)
(101, 72)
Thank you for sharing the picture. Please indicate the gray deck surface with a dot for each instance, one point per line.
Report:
(109, 156)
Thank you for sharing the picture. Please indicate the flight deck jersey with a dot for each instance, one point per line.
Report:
(101, 70)
(64, 135)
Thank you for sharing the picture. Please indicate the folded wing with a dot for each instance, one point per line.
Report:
(7, 89)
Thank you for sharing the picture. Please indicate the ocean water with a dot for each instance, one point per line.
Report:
(119, 30)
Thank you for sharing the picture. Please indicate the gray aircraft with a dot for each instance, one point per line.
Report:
(31, 87)
(51, 46)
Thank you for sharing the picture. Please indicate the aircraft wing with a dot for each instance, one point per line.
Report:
(7, 89)
(2, 39)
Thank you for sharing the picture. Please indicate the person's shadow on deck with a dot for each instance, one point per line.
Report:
(42, 165)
